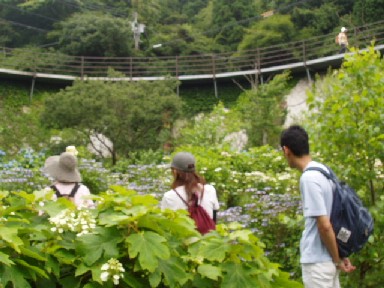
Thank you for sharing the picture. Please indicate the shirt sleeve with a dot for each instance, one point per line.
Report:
(213, 197)
(167, 203)
(312, 195)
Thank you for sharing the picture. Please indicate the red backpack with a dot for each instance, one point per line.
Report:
(204, 223)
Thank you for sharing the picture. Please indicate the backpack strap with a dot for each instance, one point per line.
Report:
(194, 197)
(74, 190)
(329, 175)
(71, 195)
(57, 192)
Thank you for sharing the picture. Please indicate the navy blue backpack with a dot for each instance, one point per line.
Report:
(351, 221)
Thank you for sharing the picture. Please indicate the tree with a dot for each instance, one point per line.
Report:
(347, 109)
(133, 115)
(368, 11)
(211, 129)
(94, 34)
(6, 31)
(273, 30)
(263, 110)
(228, 21)
(182, 40)
(320, 21)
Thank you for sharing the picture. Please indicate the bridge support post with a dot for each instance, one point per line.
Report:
(215, 86)
(32, 89)
(308, 74)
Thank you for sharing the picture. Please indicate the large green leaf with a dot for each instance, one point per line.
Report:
(147, 200)
(94, 246)
(36, 269)
(209, 271)
(109, 220)
(30, 252)
(237, 276)
(174, 271)
(4, 258)
(212, 248)
(150, 247)
(81, 269)
(10, 236)
(70, 281)
(65, 256)
(133, 281)
(182, 225)
(12, 274)
(53, 266)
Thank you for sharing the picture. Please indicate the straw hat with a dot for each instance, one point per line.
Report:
(63, 168)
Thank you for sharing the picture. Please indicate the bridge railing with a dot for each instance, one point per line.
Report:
(205, 65)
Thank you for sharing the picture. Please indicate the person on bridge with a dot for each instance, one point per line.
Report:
(342, 40)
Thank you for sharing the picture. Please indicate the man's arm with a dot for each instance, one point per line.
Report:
(328, 237)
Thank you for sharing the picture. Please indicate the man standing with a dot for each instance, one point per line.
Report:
(343, 40)
(319, 255)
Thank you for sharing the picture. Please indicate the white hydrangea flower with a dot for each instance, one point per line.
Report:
(81, 222)
(105, 266)
(104, 276)
(112, 269)
(72, 150)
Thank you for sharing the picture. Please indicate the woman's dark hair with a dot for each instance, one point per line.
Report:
(296, 139)
(191, 180)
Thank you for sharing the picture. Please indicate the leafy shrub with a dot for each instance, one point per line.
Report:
(127, 242)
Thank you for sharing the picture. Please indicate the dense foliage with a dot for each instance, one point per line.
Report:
(263, 109)
(103, 28)
(126, 242)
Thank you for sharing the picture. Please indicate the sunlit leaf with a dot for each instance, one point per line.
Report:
(209, 271)
(4, 258)
(149, 247)
(93, 246)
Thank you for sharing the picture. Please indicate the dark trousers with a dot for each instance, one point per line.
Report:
(343, 48)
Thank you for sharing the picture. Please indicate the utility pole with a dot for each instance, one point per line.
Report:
(137, 29)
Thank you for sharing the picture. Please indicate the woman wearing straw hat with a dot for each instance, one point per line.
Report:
(187, 182)
(67, 178)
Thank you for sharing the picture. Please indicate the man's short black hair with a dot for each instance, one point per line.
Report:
(296, 139)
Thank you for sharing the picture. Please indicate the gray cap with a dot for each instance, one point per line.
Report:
(184, 161)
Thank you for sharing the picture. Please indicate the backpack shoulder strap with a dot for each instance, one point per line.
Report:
(74, 190)
(195, 196)
(329, 175)
(57, 192)
(182, 199)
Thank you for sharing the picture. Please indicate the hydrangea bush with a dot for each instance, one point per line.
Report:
(254, 188)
